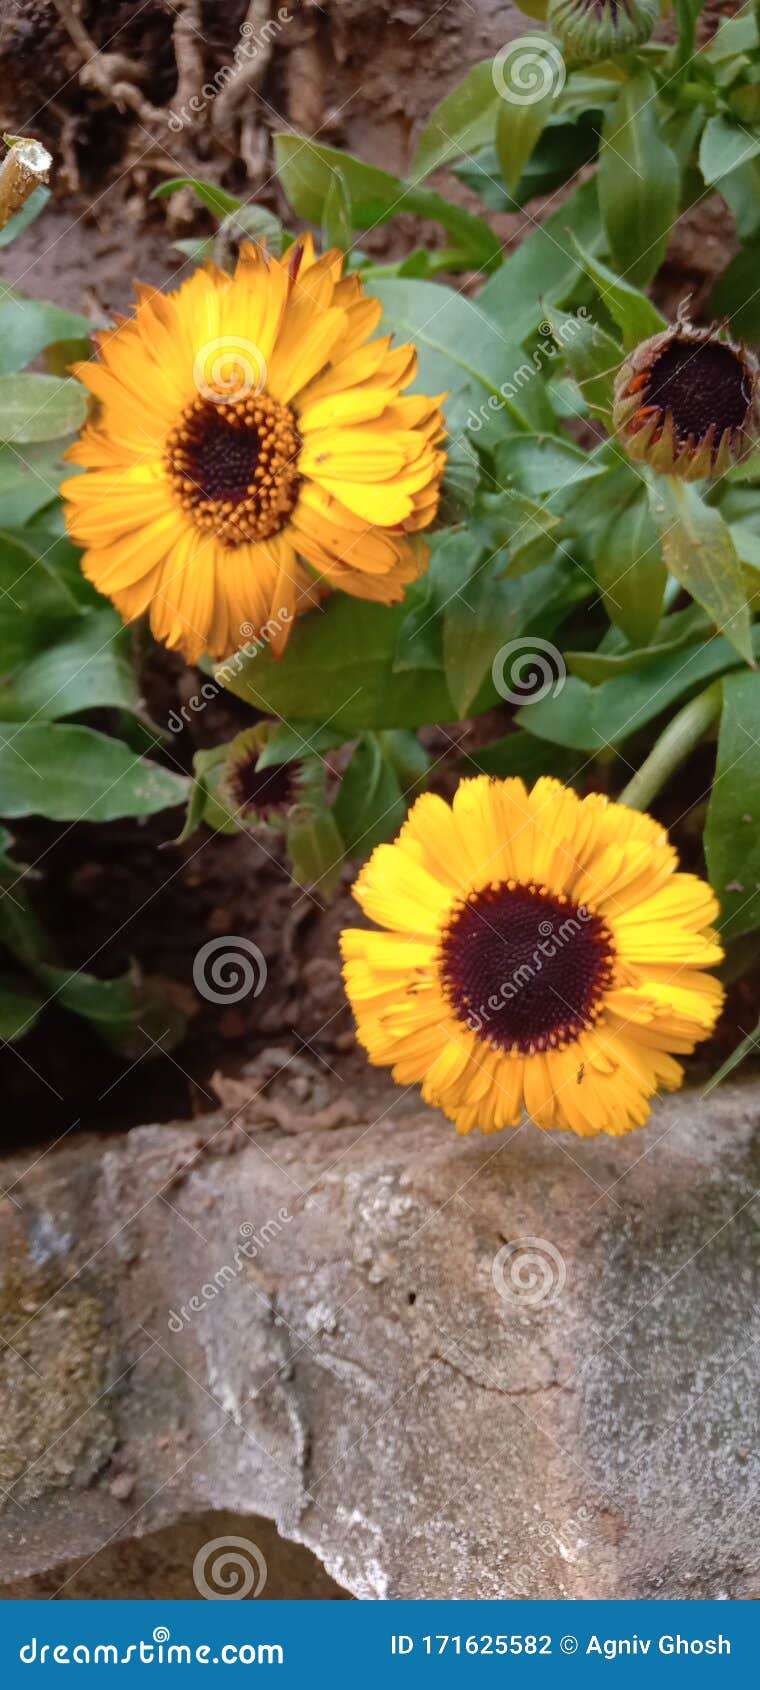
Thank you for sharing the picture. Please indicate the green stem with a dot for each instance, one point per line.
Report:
(673, 746)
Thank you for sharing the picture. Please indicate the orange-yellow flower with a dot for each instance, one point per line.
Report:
(541, 952)
(248, 427)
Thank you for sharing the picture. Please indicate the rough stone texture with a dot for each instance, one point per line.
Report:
(359, 1378)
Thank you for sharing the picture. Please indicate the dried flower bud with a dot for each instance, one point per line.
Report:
(687, 402)
(597, 29)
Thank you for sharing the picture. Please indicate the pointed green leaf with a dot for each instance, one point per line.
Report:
(634, 314)
(461, 122)
(631, 571)
(72, 773)
(639, 181)
(725, 146)
(518, 129)
(700, 553)
(34, 408)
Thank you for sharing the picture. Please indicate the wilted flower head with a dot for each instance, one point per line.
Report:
(595, 29)
(686, 402)
(259, 796)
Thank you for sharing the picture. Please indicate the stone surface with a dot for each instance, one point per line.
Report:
(341, 1330)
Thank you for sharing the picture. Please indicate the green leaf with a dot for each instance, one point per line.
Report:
(410, 760)
(741, 192)
(339, 670)
(37, 602)
(634, 314)
(316, 849)
(306, 170)
(29, 480)
(34, 408)
(518, 129)
(466, 353)
(468, 631)
(631, 572)
(700, 553)
(736, 293)
(591, 354)
(545, 463)
(639, 181)
(460, 481)
(20, 1006)
(74, 774)
(563, 148)
(27, 326)
(337, 229)
(544, 268)
(484, 615)
(21, 219)
(732, 831)
(674, 633)
(88, 669)
(746, 1048)
(370, 804)
(460, 123)
(215, 199)
(254, 223)
(520, 754)
(590, 718)
(288, 744)
(724, 147)
(118, 1009)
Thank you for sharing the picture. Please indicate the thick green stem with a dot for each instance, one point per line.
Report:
(673, 746)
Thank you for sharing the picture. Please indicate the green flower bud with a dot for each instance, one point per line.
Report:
(597, 29)
(687, 402)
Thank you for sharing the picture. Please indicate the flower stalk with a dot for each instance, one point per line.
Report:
(672, 748)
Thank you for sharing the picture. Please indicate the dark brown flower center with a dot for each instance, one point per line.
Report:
(234, 466)
(525, 968)
(702, 384)
(262, 792)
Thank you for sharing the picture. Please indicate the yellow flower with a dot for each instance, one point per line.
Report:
(542, 952)
(248, 424)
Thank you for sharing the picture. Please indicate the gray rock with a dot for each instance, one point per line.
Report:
(523, 1365)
